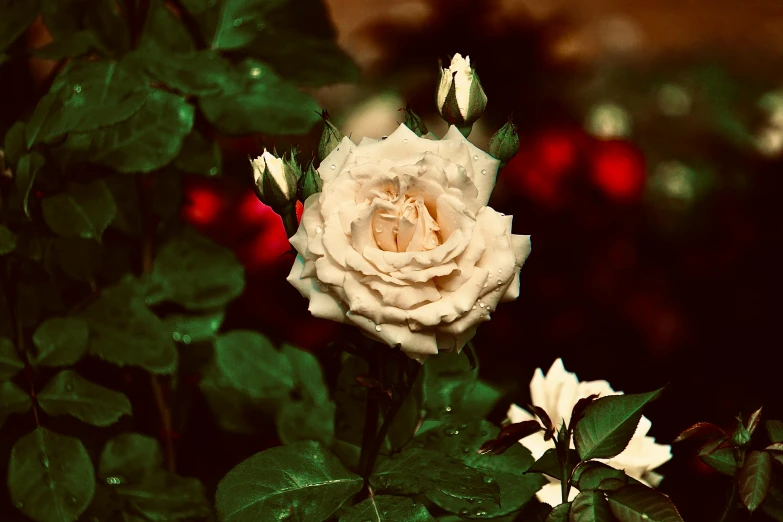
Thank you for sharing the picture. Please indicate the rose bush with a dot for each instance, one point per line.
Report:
(557, 393)
(400, 241)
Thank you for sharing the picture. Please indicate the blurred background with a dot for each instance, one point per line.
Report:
(649, 177)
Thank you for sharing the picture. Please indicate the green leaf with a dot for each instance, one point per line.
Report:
(126, 197)
(147, 141)
(68, 393)
(67, 18)
(92, 95)
(199, 156)
(448, 379)
(461, 442)
(239, 21)
(253, 365)
(640, 503)
(198, 73)
(61, 341)
(262, 103)
(591, 474)
(10, 363)
(754, 479)
(163, 31)
(721, 460)
(609, 423)
(196, 273)
(559, 514)
(14, 146)
(7, 240)
(302, 481)
(78, 44)
(234, 411)
(304, 420)
(304, 59)
(549, 463)
(46, 105)
(590, 506)
(351, 400)
(130, 457)
(773, 504)
(15, 17)
(481, 400)
(194, 328)
(307, 374)
(26, 173)
(50, 476)
(123, 331)
(164, 496)
(12, 400)
(82, 211)
(384, 508)
(419, 470)
(774, 430)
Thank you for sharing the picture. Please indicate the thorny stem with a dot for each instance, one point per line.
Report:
(739, 458)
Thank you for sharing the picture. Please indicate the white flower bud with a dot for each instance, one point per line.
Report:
(461, 99)
(267, 163)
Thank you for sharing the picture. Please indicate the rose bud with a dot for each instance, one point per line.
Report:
(461, 100)
(275, 182)
(310, 183)
(330, 138)
(504, 144)
(413, 122)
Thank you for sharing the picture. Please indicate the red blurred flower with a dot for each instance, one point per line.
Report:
(202, 205)
(618, 170)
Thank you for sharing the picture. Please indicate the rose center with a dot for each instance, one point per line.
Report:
(411, 229)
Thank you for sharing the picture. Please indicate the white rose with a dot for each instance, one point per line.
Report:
(276, 170)
(557, 393)
(400, 241)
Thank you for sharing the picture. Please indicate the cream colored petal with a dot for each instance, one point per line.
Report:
(512, 292)
(452, 305)
(367, 303)
(403, 297)
(416, 344)
(368, 140)
(333, 163)
(551, 493)
(516, 414)
(305, 286)
(402, 143)
(414, 261)
(425, 274)
(455, 341)
(652, 478)
(484, 166)
(328, 271)
(325, 306)
(522, 248)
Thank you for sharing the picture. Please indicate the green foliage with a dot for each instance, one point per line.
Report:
(609, 423)
(591, 475)
(774, 430)
(7, 240)
(15, 17)
(82, 211)
(549, 463)
(123, 330)
(461, 442)
(50, 476)
(68, 393)
(383, 508)
(302, 481)
(12, 400)
(194, 272)
(10, 363)
(590, 506)
(26, 173)
(754, 479)
(61, 341)
(559, 514)
(640, 503)
(130, 464)
(419, 470)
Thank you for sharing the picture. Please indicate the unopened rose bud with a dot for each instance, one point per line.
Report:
(504, 144)
(413, 122)
(461, 100)
(310, 183)
(741, 436)
(330, 138)
(276, 182)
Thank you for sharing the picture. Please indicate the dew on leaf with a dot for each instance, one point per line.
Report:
(238, 22)
(45, 458)
(463, 512)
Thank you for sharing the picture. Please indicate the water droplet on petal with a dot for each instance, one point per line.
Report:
(379, 229)
(377, 328)
(333, 166)
(475, 157)
(500, 270)
(484, 171)
(318, 230)
(405, 140)
(482, 305)
(474, 307)
(500, 282)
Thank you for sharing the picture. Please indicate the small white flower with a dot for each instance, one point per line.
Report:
(470, 97)
(276, 169)
(557, 393)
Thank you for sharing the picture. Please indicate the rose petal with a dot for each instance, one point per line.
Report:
(481, 163)
(336, 158)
